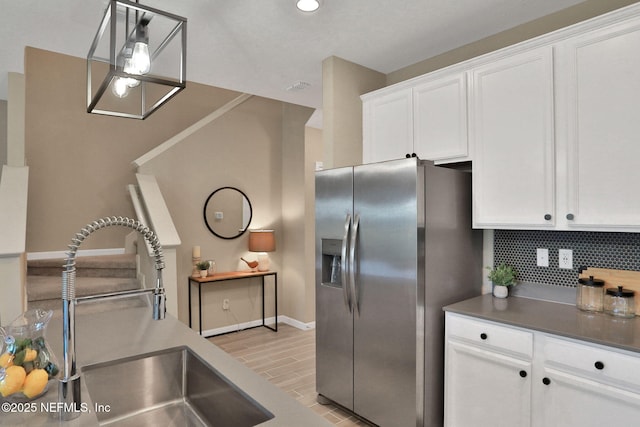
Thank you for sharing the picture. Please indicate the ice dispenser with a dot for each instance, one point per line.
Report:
(331, 262)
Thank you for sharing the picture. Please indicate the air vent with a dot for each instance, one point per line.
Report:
(298, 86)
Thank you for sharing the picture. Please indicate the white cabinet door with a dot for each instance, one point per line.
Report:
(512, 132)
(387, 126)
(440, 118)
(600, 84)
(570, 400)
(485, 388)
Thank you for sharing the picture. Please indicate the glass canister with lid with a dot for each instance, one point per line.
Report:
(620, 302)
(589, 296)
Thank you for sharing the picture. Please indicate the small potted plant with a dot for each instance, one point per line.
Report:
(502, 277)
(203, 266)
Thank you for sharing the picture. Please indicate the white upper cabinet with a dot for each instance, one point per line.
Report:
(440, 118)
(551, 125)
(387, 127)
(427, 119)
(511, 130)
(599, 91)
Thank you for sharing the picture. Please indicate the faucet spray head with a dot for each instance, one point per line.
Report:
(159, 298)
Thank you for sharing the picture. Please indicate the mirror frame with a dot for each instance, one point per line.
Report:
(204, 213)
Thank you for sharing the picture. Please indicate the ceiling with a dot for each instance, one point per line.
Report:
(265, 46)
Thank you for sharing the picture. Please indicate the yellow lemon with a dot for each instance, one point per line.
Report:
(30, 355)
(6, 360)
(13, 380)
(35, 383)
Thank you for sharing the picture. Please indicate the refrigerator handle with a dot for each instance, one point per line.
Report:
(343, 262)
(352, 263)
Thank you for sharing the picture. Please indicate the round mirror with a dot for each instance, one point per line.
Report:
(227, 212)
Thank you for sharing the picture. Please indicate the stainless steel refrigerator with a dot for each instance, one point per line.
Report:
(394, 244)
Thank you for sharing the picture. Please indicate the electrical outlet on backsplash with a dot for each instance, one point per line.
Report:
(518, 248)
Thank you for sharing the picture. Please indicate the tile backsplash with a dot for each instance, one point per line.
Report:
(619, 251)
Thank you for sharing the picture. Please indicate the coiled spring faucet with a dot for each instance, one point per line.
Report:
(69, 385)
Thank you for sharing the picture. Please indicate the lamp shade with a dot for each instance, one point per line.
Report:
(262, 241)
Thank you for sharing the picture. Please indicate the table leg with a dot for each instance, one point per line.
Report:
(263, 320)
(200, 306)
(189, 286)
(275, 294)
(275, 327)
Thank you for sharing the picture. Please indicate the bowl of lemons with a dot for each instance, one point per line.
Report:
(26, 362)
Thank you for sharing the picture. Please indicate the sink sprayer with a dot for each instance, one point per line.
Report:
(69, 385)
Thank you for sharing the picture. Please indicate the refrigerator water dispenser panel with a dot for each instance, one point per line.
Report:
(331, 262)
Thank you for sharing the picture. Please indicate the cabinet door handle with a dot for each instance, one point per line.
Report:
(483, 336)
(546, 381)
(570, 216)
(547, 217)
(408, 156)
(523, 374)
(599, 365)
(414, 155)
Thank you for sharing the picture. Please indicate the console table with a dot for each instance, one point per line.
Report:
(233, 275)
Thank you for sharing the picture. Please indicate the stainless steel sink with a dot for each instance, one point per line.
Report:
(173, 387)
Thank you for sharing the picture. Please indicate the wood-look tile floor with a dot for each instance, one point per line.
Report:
(287, 359)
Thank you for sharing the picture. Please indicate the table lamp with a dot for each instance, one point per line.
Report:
(262, 241)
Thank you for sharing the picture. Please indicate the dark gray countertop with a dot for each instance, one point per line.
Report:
(554, 318)
(117, 334)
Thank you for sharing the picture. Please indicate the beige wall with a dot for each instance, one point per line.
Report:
(16, 120)
(555, 21)
(313, 153)
(296, 290)
(342, 84)
(242, 149)
(3, 132)
(80, 163)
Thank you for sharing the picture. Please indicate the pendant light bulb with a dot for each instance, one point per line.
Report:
(128, 68)
(140, 59)
(119, 87)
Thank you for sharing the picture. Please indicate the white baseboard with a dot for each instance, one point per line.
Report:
(81, 252)
(296, 323)
(269, 321)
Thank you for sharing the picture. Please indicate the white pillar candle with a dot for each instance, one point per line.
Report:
(196, 252)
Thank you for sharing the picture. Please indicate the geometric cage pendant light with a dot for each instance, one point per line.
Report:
(137, 60)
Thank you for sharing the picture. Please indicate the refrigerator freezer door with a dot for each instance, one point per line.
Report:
(334, 320)
(389, 204)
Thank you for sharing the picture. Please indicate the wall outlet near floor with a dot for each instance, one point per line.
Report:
(225, 304)
(565, 258)
(542, 256)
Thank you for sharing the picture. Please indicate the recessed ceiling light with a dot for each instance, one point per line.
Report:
(308, 5)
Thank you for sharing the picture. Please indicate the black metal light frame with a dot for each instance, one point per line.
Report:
(113, 24)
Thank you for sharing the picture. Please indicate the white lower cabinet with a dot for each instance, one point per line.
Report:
(490, 381)
(580, 384)
(483, 384)
(568, 399)
(487, 374)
